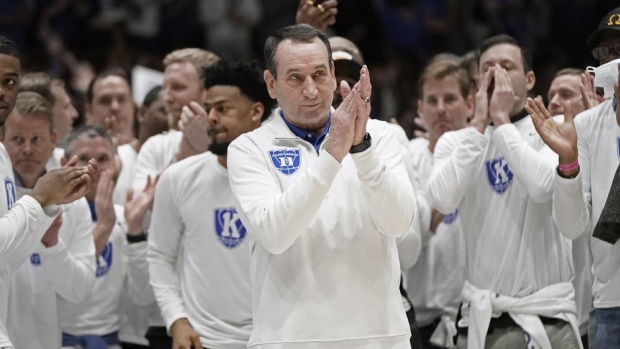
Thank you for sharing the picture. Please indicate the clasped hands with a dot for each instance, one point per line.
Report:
(348, 122)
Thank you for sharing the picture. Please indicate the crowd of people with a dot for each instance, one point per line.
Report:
(274, 208)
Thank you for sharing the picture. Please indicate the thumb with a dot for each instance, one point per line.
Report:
(345, 89)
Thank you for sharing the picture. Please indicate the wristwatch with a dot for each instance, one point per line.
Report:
(362, 146)
(132, 239)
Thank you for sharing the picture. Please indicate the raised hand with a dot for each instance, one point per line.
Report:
(560, 137)
(136, 207)
(481, 117)
(589, 98)
(342, 127)
(320, 16)
(63, 185)
(364, 89)
(194, 124)
(503, 98)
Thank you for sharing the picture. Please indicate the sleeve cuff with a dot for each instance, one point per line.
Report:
(174, 317)
(327, 168)
(366, 161)
(473, 135)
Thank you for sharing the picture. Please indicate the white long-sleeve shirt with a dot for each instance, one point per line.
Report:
(578, 202)
(325, 270)
(502, 183)
(22, 225)
(435, 282)
(194, 211)
(118, 267)
(65, 270)
(128, 157)
(157, 153)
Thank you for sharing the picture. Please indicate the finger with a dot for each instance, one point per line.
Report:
(196, 342)
(148, 184)
(485, 81)
(420, 134)
(345, 89)
(72, 162)
(359, 103)
(129, 195)
(366, 88)
(569, 115)
(539, 98)
(198, 110)
(585, 97)
(529, 107)
(420, 123)
(107, 124)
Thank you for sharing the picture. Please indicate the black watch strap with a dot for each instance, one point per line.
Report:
(362, 146)
(133, 239)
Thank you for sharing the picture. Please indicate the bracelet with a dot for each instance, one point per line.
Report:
(572, 166)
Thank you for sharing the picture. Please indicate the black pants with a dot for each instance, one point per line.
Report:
(425, 335)
(158, 338)
(415, 341)
(132, 346)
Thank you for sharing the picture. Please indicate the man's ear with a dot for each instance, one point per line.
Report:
(530, 80)
(141, 115)
(270, 81)
(256, 113)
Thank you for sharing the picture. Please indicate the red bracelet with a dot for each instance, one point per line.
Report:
(572, 166)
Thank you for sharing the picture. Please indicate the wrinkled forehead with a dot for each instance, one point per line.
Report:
(569, 81)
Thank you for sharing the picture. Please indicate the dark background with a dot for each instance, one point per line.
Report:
(72, 39)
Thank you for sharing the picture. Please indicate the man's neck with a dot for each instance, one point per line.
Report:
(223, 160)
(27, 183)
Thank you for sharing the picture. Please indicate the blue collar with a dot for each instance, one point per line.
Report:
(308, 136)
(614, 103)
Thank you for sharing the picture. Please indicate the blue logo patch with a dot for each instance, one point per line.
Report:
(451, 217)
(104, 262)
(11, 196)
(499, 174)
(228, 227)
(35, 259)
(618, 147)
(287, 161)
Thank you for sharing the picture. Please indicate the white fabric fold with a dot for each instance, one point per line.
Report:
(555, 301)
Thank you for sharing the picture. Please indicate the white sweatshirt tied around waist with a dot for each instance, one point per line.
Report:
(554, 301)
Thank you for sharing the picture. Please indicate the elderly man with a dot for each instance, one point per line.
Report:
(323, 211)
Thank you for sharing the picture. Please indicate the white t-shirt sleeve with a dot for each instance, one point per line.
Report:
(456, 156)
(22, 228)
(534, 169)
(164, 242)
(386, 185)
(275, 218)
(72, 268)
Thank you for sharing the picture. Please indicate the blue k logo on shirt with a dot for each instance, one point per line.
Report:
(35, 259)
(11, 196)
(450, 217)
(286, 161)
(618, 147)
(104, 262)
(499, 174)
(228, 227)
